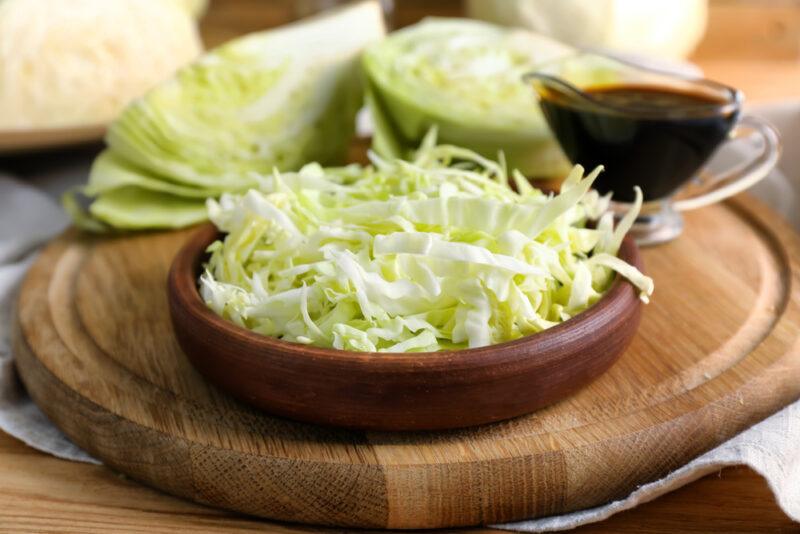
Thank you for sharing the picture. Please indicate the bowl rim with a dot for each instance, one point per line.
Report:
(183, 292)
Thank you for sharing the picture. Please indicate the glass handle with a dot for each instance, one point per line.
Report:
(715, 188)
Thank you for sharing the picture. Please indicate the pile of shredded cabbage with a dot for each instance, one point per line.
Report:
(409, 256)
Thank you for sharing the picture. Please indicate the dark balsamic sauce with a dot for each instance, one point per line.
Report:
(653, 137)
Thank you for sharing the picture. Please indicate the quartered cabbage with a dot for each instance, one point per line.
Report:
(408, 256)
(274, 99)
(465, 77)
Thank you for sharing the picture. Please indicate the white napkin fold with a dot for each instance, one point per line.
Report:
(771, 448)
(28, 217)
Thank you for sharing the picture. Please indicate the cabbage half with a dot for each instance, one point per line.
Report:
(406, 256)
(77, 64)
(275, 99)
(465, 77)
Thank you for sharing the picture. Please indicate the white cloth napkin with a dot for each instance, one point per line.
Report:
(29, 216)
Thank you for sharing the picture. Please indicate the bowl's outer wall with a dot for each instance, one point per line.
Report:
(399, 392)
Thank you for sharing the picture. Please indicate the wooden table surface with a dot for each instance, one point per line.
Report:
(751, 44)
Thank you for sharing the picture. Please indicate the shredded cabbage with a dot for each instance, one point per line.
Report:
(408, 256)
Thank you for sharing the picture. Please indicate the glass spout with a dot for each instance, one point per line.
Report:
(550, 87)
(577, 78)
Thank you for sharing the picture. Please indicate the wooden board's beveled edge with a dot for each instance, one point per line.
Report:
(87, 424)
(698, 417)
(698, 429)
(360, 487)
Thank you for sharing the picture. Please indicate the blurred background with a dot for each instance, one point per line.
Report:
(752, 44)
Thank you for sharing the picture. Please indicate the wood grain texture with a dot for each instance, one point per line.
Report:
(40, 493)
(714, 354)
(419, 391)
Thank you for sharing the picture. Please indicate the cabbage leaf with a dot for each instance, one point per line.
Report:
(274, 99)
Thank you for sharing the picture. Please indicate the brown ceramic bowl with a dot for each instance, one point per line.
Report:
(419, 391)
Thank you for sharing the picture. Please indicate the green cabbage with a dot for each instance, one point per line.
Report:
(403, 256)
(274, 99)
(465, 77)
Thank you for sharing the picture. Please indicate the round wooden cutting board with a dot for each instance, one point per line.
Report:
(717, 350)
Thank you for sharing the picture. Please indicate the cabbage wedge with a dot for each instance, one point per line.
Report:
(406, 256)
(465, 77)
(275, 99)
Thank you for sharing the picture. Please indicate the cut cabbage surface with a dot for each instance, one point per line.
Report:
(465, 77)
(274, 99)
(411, 256)
(80, 62)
